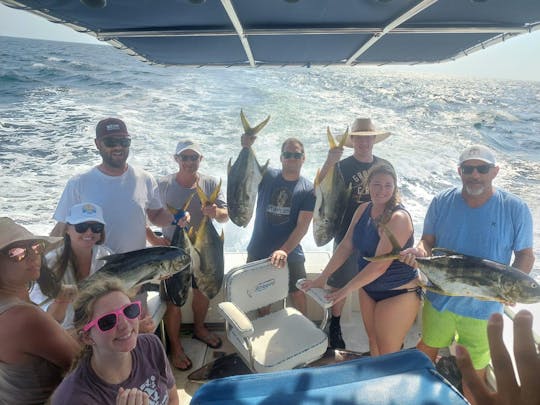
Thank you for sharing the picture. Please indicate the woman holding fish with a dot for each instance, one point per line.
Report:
(35, 350)
(73, 261)
(116, 365)
(388, 290)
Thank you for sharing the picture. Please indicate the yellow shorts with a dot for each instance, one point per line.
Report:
(440, 329)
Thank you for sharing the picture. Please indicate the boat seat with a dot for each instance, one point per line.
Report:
(281, 340)
(156, 308)
(407, 377)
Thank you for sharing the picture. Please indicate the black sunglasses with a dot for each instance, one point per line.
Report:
(482, 169)
(96, 227)
(289, 155)
(111, 142)
(19, 253)
(108, 321)
(185, 158)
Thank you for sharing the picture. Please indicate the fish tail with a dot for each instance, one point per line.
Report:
(331, 140)
(344, 138)
(396, 247)
(248, 130)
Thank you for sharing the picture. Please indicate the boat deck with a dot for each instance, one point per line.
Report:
(351, 322)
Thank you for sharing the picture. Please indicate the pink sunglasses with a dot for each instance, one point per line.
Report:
(109, 320)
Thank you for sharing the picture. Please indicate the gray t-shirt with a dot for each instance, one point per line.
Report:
(150, 373)
(174, 195)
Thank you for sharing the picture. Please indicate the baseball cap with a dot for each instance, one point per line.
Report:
(477, 152)
(85, 212)
(187, 145)
(111, 127)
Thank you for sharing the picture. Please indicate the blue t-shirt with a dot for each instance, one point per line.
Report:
(366, 239)
(279, 203)
(492, 231)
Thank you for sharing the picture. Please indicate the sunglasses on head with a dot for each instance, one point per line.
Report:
(482, 169)
(111, 142)
(289, 155)
(109, 320)
(185, 158)
(19, 253)
(95, 227)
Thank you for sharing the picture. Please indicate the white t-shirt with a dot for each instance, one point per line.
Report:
(124, 200)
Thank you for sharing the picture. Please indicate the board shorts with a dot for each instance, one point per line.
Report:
(441, 328)
(297, 270)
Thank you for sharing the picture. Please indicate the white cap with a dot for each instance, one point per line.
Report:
(187, 145)
(477, 152)
(85, 212)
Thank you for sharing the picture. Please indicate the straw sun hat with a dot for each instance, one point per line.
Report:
(364, 127)
(12, 232)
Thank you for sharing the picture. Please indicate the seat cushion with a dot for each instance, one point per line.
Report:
(282, 340)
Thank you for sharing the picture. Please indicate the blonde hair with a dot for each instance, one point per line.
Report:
(83, 307)
(395, 200)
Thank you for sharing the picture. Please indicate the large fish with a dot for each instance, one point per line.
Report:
(457, 274)
(332, 198)
(143, 266)
(209, 274)
(177, 286)
(243, 179)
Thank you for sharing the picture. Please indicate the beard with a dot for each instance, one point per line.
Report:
(475, 189)
(117, 162)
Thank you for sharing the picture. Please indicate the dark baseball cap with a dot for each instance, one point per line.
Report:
(111, 127)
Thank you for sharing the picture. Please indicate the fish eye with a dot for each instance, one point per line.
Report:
(534, 285)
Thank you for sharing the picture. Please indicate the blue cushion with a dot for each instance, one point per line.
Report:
(406, 377)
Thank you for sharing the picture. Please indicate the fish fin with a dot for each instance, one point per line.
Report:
(229, 166)
(213, 197)
(331, 140)
(202, 195)
(263, 168)
(344, 138)
(222, 236)
(396, 247)
(446, 252)
(188, 202)
(316, 182)
(248, 130)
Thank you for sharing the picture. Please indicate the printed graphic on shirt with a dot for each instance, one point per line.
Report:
(360, 193)
(279, 208)
(150, 387)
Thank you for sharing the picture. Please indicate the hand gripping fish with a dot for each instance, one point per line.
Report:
(332, 198)
(243, 179)
(457, 274)
(177, 287)
(209, 274)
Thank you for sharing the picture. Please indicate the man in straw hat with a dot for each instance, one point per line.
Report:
(354, 169)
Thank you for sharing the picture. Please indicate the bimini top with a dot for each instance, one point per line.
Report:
(294, 32)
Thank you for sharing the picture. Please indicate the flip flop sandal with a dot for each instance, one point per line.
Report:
(207, 342)
(183, 359)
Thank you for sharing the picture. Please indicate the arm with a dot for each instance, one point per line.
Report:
(213, 211)
(156, 240)
(422, 249)
(400, 225)
(159, 217)
(173, 396)
(302, 226)
(524, 260)
(40, 335)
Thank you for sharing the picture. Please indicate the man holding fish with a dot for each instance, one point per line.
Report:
(354, 169)
(179, 192)
(285, 202)
(478, 220)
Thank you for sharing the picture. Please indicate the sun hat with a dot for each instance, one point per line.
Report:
(187, 144)
(111, 127)
(11, 232)
(477, 152)
(364, 127)
(85, 212)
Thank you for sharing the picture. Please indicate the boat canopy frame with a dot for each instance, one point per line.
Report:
(293, 32)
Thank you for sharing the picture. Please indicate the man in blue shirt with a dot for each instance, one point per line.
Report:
(478, 220)
(285, 204)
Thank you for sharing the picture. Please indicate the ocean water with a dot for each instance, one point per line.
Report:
(53, 93)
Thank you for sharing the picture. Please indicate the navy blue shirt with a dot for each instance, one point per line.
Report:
(279, 203)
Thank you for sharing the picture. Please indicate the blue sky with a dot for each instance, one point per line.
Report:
(517, 58)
